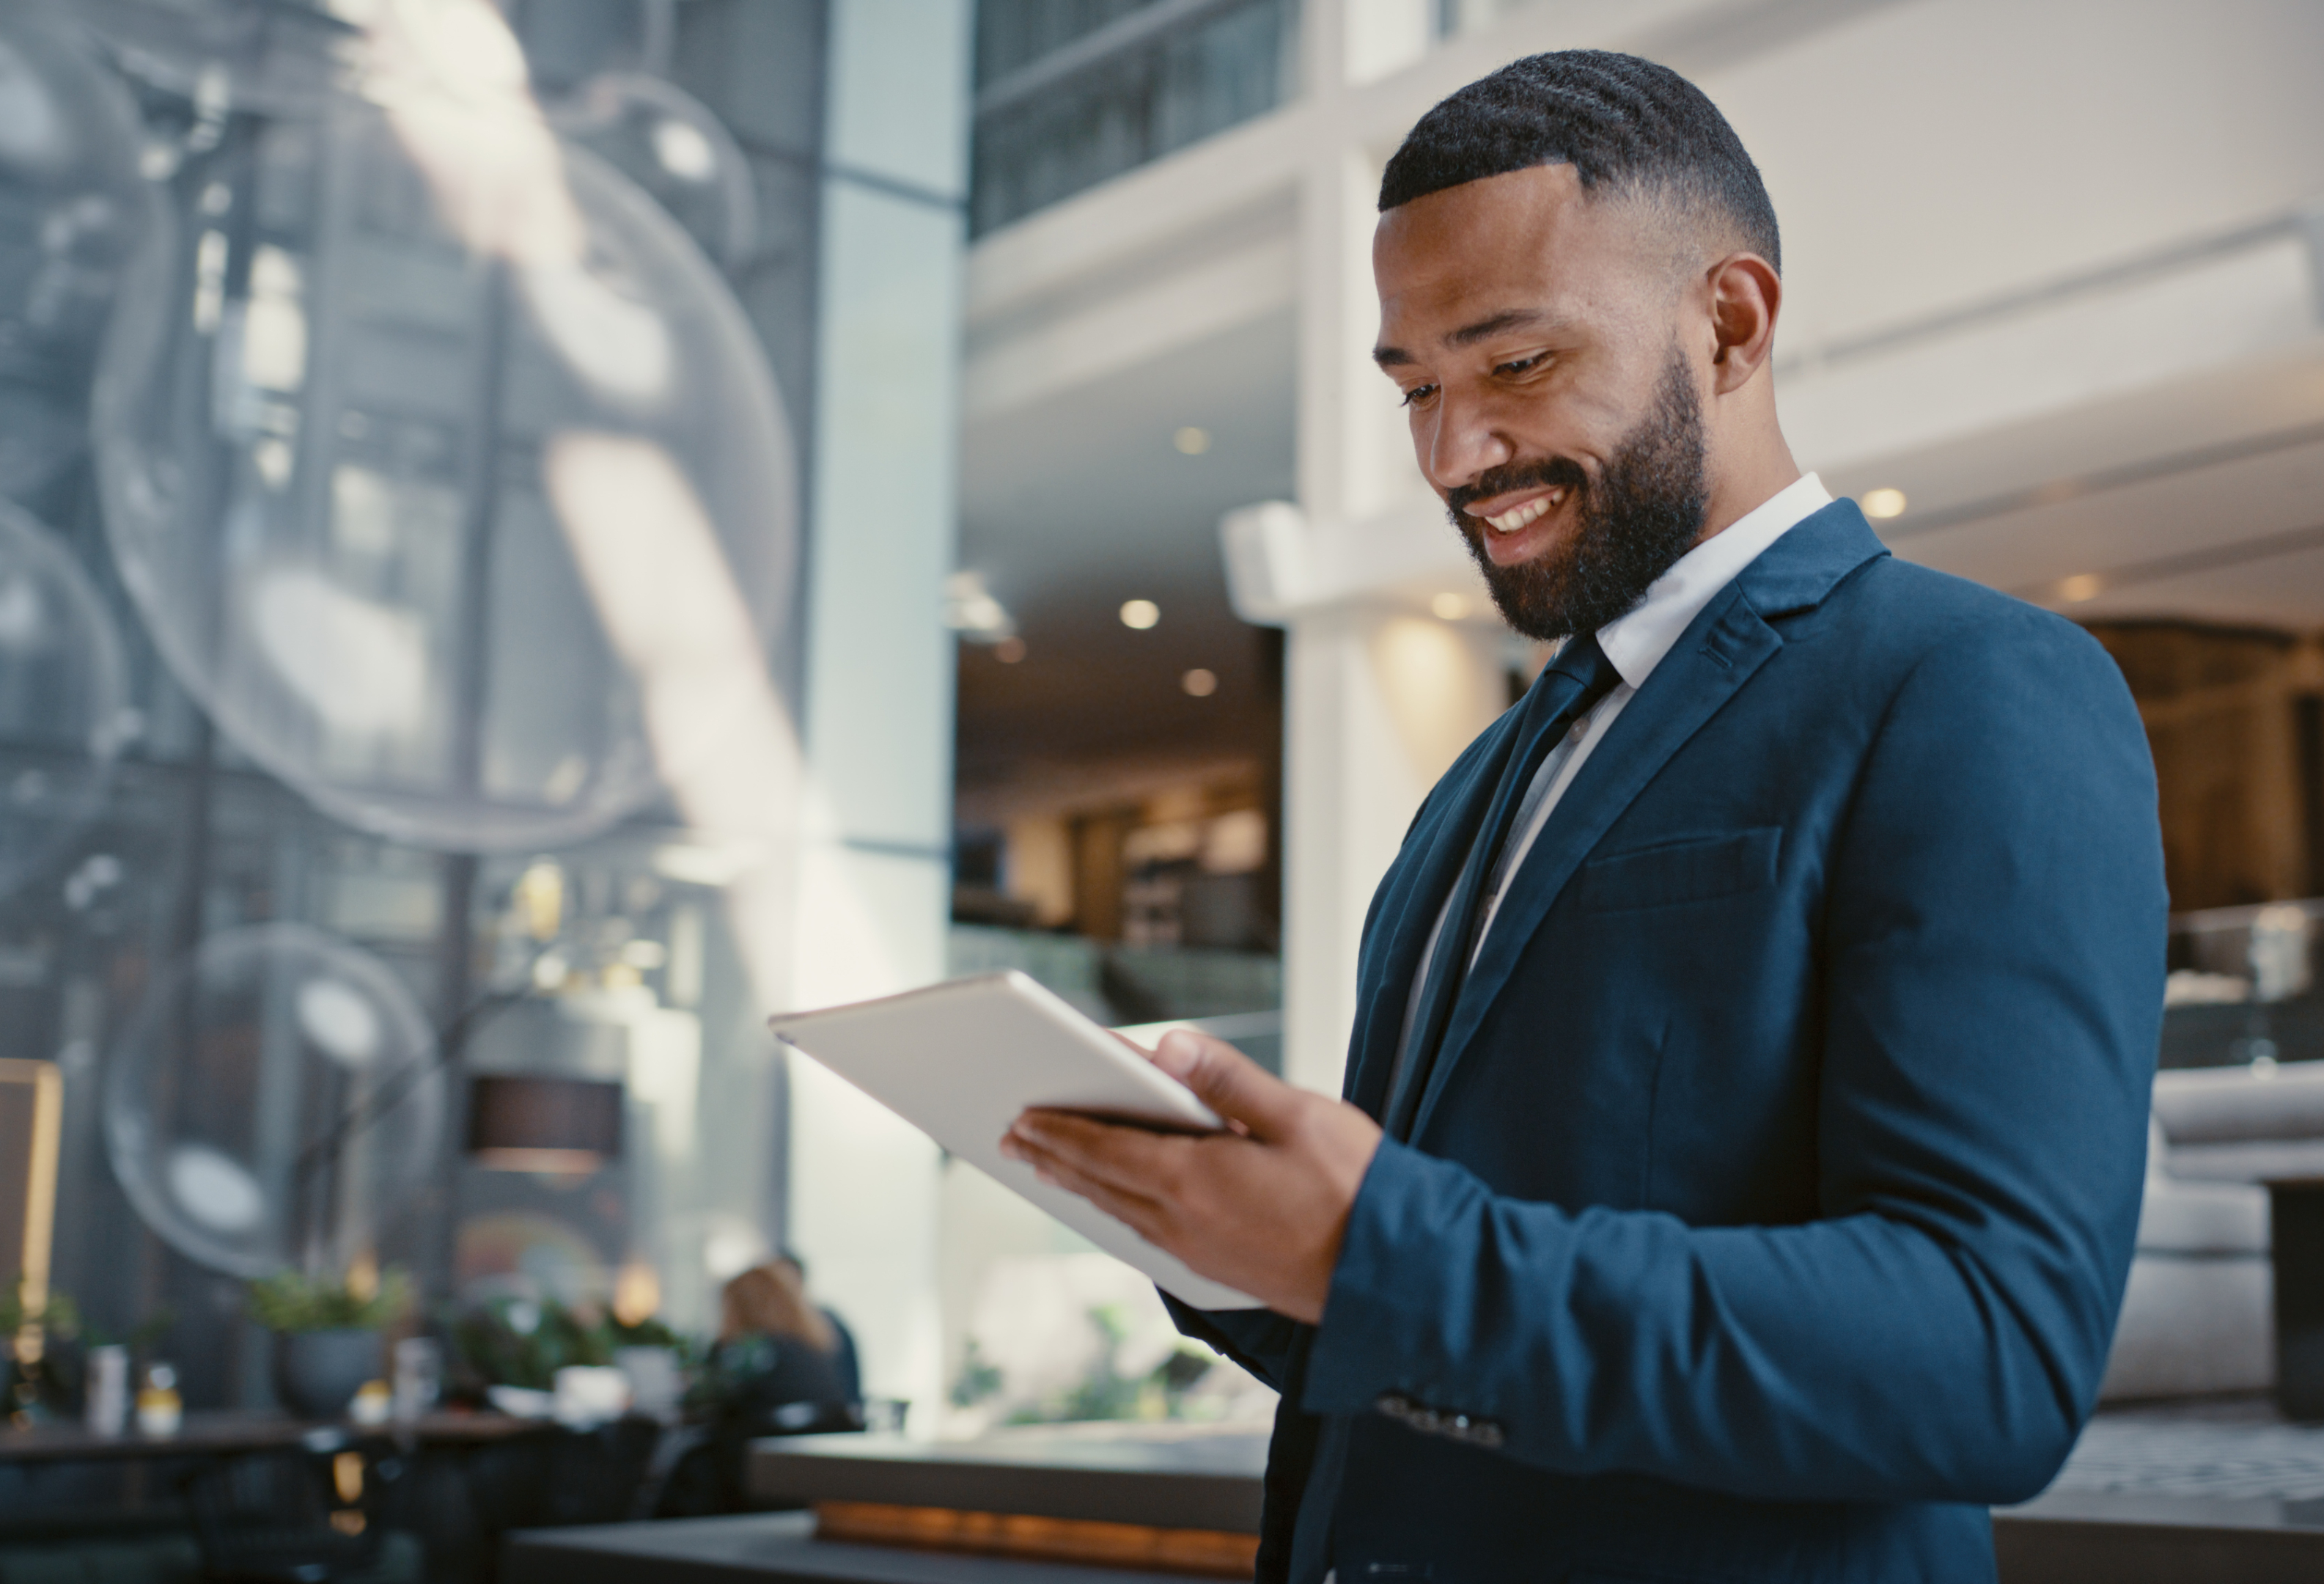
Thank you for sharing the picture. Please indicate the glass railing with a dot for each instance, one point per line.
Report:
(1012, 35)
(2245, 985)
(1073, 92)
(1236, 996)
(1455, 17)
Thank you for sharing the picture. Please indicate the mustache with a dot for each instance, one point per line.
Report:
(1540, 473)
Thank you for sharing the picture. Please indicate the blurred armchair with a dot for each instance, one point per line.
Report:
(2199, 1317)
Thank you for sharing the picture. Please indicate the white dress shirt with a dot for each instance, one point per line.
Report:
(1636, 643)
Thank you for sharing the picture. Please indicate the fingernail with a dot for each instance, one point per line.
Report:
(1177, 1054)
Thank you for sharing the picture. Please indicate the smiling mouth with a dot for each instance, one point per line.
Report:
(1527, 512)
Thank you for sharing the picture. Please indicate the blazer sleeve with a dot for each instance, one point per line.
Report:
(1992, 992)
(1258, 1339)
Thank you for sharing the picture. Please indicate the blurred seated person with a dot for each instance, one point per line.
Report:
(851, 1376)
(773, 1371)
(777, 1355)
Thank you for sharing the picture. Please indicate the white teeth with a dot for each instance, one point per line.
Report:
(1516, 517)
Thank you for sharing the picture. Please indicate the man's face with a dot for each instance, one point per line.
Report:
(1534, 334)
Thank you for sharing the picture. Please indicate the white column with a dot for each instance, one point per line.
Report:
(1380, 702)
(875, 873)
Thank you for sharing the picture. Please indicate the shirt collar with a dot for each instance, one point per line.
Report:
(1635, 642)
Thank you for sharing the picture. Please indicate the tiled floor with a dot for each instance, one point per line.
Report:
(2239, 1449)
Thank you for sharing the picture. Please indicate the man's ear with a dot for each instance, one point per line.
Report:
(1746, 296)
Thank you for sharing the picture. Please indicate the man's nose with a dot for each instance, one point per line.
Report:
(1462, 443)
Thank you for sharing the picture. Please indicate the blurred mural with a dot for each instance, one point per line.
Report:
(399, 438)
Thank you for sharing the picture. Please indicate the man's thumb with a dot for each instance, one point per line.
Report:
(1224, 1079)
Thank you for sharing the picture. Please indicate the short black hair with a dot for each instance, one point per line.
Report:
(1625, 125)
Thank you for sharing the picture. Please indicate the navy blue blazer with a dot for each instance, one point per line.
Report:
(1768, 1207)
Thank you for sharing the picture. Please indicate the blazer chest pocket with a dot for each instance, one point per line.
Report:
(1695, 869)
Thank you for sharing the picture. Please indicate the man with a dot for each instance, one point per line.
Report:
(1745, 1117)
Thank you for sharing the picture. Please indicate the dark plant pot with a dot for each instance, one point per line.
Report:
(317, 1373)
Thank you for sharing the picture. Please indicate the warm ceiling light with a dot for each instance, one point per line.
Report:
(1884, 503)
(1192, 441)
(637, 1290)
(2080, 586)
(1199, 683)
(1140, 613)
(1448, 607)
(1009, 650)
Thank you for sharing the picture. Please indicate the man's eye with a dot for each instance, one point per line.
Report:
(1417, 394)
(1519, 364)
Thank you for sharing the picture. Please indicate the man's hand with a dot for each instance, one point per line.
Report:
(1261, 1208)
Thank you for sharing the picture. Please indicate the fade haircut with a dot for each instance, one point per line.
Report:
(1628, 127)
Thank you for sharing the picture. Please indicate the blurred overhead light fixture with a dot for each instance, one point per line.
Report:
(2080, 586)
(683, 150)
(1192, 441)
(1884, 503)
(1199, 683)
(712, 865)
(972, 611)
(533, 1122)
(1448, 607)
(1140, 613)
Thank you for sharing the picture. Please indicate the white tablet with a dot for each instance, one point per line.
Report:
(960, 1061)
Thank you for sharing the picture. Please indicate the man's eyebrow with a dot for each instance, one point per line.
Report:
(1468, 335)
(1511, 319)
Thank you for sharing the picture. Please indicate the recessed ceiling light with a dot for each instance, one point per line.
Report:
(1009, 650)
(1884, 503)
(1140, 613)
(2083, 586)
(1448, 607)
(1192, 441)
(1199, 683)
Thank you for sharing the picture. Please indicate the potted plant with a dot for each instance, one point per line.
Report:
(656, 1360)
(327, 1335)
(34, 1335)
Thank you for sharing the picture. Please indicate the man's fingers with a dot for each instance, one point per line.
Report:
(1128, 1158)
(1228, 1081)
(1139, 1214)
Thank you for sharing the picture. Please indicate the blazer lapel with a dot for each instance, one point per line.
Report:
(1411, 894)
(1719, 652)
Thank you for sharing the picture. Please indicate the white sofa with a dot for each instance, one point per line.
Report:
(2199, 1317)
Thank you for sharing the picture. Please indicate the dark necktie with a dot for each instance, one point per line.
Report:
(1567, 690)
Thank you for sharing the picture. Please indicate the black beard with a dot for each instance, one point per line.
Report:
(1641, 513)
